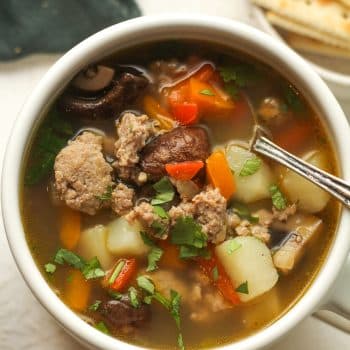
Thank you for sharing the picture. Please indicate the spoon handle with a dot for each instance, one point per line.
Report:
(330, 183)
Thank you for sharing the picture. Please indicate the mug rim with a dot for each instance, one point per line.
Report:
(183, 26)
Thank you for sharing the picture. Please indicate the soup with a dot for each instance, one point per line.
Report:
(150, 216)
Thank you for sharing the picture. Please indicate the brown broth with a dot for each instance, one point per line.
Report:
(41, 223)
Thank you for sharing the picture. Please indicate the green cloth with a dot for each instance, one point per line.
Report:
(29, 26)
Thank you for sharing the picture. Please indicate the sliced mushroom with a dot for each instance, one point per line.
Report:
(122, 92)
(94, 79)
(305, 229)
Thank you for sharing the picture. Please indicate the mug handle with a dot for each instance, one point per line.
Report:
(336, 311)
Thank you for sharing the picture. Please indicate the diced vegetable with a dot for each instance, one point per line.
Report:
(216, 272)
(184, 170)
(124, 239)
(220, 174)
(253, 187)
(154, 110)
(294, 136)
(77, 291)
(304, 228)
(186, 113)
(70, 227)
(93, 243)
(120, 275)
(309, 197)
(249, 267)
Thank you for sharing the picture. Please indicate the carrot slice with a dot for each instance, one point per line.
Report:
(294, 136)
(155, 110)
(70, 228)
(220, 174)
(185, 113)
(120, 275)
(77, 291)
(184, 170)
(217, 274)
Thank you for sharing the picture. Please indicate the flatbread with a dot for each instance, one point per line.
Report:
(308, 45)
(299, 28)
(324, 16)
(346, 2)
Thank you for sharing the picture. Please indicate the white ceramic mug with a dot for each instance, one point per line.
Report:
(149, 29)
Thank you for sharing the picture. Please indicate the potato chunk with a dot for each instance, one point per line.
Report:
(93, 243)
(124, 239)
(251, 263)
(309, 197)
(253, 187)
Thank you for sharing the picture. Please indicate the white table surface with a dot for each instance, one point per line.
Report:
(24, 324)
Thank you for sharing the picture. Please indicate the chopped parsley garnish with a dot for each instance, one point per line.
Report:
(250, 166)
(242, 74)
(52, 136)
(107, 195)
(160, 212)
(165, 191)
(215, 273)
(292, 99)
(50, 268)
(154, 255)
(102, 327)
(207, 92)
(243, 288)
(95, 305)
(146, 284)
(160, 228)
(233, 245)
(278, 199)
(175, 301)
(180, 342)
(188, 252)
(90, 269)
(115, 295)
(232, 90)
(187, 231)
(66, 256)
(244, 213)
(134, 301)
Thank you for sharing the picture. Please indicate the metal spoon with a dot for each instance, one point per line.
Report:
(330, 183)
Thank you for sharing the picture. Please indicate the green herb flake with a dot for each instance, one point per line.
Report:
(116, 271)
(146, 284)
(162, 299)
(180, 342)
(165, 191)
(50, 268)
(159, 228)
(175, 302)
(292, 99)
(95, 305)
(244, 213)
(188, 252)
(52, 136)
(243, 288)
(107, 195)
(66, 256)
(242, 74)
(134, 301)
(148, 299)
(160, 212)
(92, 269)
(207, 92)
(232, 246)
(188, 232)
(215, 273)
(102, 327)
(115, 295)
(250, 166)
(155, 253)
(278, 199)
